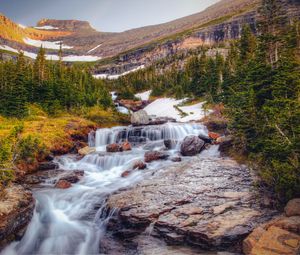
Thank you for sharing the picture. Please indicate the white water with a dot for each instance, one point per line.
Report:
(72, 221)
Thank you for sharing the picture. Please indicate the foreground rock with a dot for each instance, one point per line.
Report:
(279, 236)
(16, 210)
(140, 118)
(191, 146)
(207, 203)
(114, 147)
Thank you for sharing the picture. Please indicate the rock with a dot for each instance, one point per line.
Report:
(161, 120)
(86, 150)
(191, 146)
(16, 210)
(71, 176)
(133, 105)
(177, 201)
(62, 184)
(225, 144)
(139, 165)
(126, 146)
(291, 224)
(47, 166)
(114, 147)
(155, 155)
(140, 118)
(293, 207)
(205, 138)
(170, 143)
(176, 159)
(125, 174)
(273, 241)
(213, 135)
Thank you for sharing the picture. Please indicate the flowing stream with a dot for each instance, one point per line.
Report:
(70, 221)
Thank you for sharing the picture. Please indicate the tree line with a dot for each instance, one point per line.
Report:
(53, 86)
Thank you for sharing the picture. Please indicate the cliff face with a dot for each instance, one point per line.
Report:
(69, 25)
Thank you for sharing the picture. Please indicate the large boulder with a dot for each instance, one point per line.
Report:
(140, 118)
(191, 146)
(209, 203)
(293, 207)
(155, 155)
(16, 210)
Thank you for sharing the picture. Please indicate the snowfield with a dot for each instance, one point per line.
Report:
(164, 107)
(54, 57)
(47, 28)
(144, 96)
(116, 76)
(22, 26)
(46, 44)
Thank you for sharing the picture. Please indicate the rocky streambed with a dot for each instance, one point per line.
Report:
(149, 189)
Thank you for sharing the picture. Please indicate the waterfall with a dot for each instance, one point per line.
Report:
(71, 221)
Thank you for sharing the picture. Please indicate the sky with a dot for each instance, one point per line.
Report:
(103, 15)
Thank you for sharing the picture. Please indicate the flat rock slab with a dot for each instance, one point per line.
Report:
(209, 203)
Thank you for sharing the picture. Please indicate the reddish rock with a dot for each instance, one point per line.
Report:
(213, 135)
(126, 174)
(155, 155)
(126, 146)
(114, 148)
(139, 165)
(293, 207)
(72, 176)
(62, 184)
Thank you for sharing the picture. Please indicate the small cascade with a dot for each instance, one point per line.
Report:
(173, 131)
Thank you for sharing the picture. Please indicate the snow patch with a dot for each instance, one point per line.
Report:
(46, 44)
(165, 107)
(144, 96)
(22, 26)
(47, 28)
(54, 57)
(117, 76)
(95, 48)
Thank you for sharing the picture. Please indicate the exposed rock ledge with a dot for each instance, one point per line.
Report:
(16, 210)
(209, 203)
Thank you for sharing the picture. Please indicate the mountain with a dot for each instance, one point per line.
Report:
(219, 23)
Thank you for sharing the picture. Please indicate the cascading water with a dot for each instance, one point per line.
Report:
(68, 221)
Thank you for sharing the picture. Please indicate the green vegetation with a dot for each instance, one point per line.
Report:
(51, 85)
(258, 81)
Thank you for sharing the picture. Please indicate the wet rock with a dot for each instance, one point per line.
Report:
(47, 166)
(16, 210)
(191, 146)
(86, 150)
(205, 138)
(176, 159)
(140, 118)
(155, 155)
(62, 184)
(161, 120)
(293, 207)
(71, 176)
(139, 165)
(126, 174)
(213, 135)
(126, 146)
(178, 203)
(170, 143)
(114, 147)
